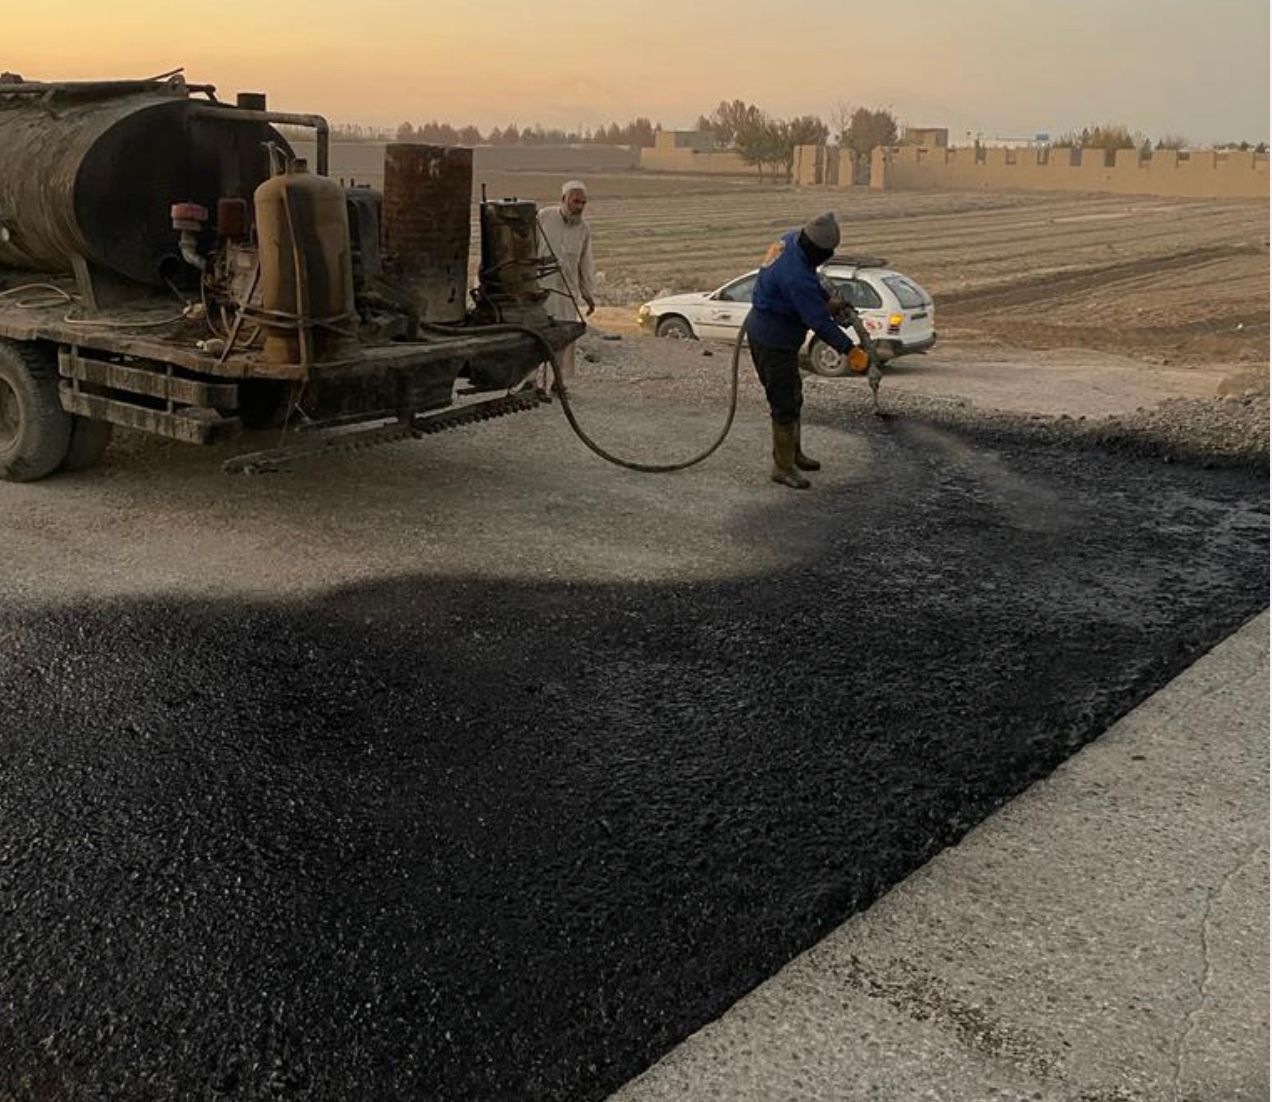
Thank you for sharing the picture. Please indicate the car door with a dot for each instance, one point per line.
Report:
(727, 309)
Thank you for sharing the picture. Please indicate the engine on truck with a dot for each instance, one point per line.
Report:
(184, 273)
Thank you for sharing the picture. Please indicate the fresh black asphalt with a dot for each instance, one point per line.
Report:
(470, 839)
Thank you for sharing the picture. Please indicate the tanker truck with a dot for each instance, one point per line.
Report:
(169, 265)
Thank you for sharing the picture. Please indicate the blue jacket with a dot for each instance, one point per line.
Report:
(789, 300)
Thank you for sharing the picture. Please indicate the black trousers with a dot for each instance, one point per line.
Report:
(778, 369)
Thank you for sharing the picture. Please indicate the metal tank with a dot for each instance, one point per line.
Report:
(307, 302)
(510, 261)
(91, 172)
(428, 197)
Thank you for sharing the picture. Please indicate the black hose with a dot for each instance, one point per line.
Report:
(649, 468)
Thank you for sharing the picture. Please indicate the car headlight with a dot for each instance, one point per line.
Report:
(643, 312)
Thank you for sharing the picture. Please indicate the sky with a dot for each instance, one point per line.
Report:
(998, 68)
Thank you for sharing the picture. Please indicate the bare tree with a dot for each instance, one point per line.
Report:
(840, 120)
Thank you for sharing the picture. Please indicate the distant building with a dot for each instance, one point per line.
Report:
(933, 137)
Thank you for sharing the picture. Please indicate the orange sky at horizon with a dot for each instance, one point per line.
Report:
(1000, 67)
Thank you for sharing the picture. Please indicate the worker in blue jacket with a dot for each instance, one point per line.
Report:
(787, 302)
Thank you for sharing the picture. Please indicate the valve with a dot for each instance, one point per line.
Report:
(189, 219)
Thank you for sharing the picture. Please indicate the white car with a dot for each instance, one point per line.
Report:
(897, 313)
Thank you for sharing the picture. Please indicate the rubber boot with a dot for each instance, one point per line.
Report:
(785, 444)
(802, 461)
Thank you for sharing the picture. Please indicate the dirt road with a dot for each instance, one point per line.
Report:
(968, 370)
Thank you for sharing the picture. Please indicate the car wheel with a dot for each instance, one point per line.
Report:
(674, 327)
(826, 361)
(35, 430)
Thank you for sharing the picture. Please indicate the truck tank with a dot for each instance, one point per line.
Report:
(306, 265)
(77, 166)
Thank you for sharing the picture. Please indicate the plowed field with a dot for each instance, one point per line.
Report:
(1159, 278)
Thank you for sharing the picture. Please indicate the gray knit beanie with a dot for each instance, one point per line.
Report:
(823, 231)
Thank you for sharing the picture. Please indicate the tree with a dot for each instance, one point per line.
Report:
(1172, 141)
(1108, 136)
(437, 133)
(730, 119)
(807, 130)
(406, 132)
(868, 129)
(840, 121)
(787, 134)
(641, 132)
(763, 142)
(469, 135)
(356, 132)
(865, 130)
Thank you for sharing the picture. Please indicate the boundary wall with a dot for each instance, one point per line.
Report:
(721, 162)
(364, 161)
(820, 165)
(1199, 174)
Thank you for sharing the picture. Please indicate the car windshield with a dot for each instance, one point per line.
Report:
(737, 291)
(909, 295)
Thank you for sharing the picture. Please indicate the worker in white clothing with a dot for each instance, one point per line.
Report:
(568, 238)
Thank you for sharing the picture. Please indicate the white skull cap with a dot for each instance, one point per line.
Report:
(573, 185)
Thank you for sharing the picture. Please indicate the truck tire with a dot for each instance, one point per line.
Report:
(35, 430)
(89, 440)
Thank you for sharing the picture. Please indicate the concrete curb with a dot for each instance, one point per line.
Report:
(1103, 938)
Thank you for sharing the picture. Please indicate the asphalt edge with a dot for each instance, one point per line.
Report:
(832, 1025)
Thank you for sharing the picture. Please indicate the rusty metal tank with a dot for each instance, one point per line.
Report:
(428, 195)
(302, 231)
(77, 165)
(510, 251)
